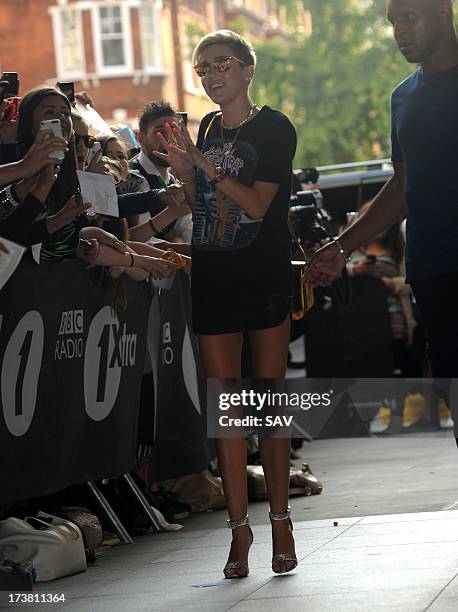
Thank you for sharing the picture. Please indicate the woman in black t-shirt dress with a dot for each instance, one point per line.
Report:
(238, 182)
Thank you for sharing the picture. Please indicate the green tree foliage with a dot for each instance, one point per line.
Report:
(335, 84)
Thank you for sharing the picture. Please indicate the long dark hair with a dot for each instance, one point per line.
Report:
(67, 183)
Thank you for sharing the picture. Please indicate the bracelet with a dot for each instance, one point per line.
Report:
(171, 255)
(187, 181)
(13, 194)
(155, 231)
(342, 252)
(131, 260)
(7, 199)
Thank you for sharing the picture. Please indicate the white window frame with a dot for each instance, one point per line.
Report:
(62, 73)
(126, 68)
(157, 68)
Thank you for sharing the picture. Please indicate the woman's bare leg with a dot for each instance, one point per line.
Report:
(269, 349)
(221, 358)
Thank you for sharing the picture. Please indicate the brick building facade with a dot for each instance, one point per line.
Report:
(123, 52)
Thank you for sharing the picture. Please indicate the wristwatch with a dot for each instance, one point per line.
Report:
(220, 175)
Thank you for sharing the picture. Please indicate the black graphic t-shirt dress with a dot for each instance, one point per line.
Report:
(241, 267)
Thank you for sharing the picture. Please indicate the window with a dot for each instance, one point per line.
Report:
(68, 42)
(193, 32)
(113, 47)
(149, 36)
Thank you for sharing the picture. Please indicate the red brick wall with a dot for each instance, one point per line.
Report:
(26, 42)
(27, 47)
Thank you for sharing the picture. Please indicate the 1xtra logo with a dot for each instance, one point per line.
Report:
(109, 348)
(71, 324)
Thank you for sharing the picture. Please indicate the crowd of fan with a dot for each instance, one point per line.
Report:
(41, 201)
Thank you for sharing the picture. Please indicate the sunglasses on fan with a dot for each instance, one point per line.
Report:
(221, 64)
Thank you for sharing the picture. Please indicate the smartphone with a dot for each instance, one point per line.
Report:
(184, 117)
(56, 127)
(96, 148)
(12, 89)
(68, 89)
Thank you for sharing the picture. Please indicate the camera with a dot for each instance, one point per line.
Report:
(308, 220)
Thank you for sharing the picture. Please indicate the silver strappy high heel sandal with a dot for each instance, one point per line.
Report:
(276, 559)
(238, 565)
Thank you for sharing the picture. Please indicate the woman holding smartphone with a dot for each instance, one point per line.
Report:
(238, 181)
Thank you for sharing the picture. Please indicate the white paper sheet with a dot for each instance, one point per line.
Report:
(100, 191)
(9, 261)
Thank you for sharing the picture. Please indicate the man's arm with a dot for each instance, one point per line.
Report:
(386, 208)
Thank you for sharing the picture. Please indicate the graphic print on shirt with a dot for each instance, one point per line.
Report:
(218, 223)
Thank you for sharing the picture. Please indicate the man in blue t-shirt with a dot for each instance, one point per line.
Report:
(424, 188)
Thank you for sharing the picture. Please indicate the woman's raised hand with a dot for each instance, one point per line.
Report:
(182, 153)
(37, 157)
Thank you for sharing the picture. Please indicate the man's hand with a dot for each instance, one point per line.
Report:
(173, 196)
(325, 266)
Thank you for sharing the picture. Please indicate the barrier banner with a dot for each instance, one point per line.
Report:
(70, 378)
(178, 433)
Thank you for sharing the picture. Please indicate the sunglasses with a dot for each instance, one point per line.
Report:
(221, 64)
(86, 138)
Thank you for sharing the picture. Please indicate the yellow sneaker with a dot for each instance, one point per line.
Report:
(445, 415)
(414, 409)
(381, 421)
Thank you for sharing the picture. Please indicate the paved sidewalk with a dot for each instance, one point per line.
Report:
(395, 549)
(404, 562)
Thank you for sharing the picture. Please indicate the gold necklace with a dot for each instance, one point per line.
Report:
(239, 125)
(227, 146)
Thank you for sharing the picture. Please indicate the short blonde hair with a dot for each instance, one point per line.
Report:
(240, 47)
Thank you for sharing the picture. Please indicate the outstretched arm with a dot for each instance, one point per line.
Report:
(387, 208)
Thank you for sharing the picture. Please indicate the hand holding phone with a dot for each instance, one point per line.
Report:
(94, 152)
(56, 128)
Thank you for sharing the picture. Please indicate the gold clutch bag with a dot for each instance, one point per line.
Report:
(303, 298)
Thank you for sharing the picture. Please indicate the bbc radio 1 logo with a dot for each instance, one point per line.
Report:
(69, 345)
(167, 350)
